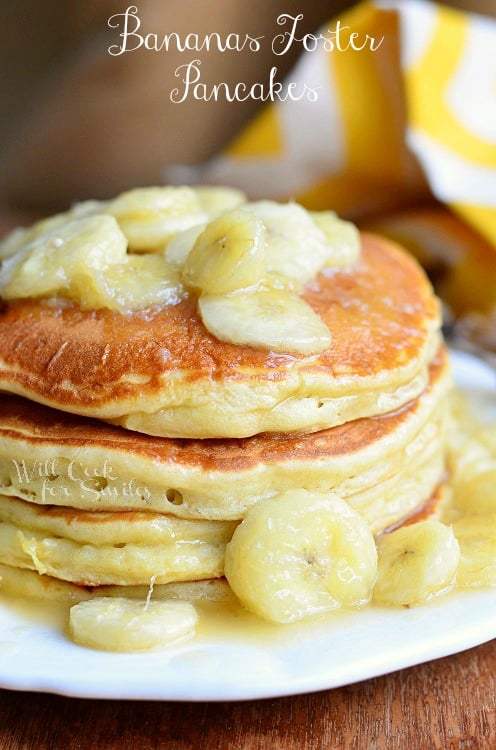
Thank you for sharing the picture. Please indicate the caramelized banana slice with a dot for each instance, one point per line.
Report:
(416, 563)
(181, 244)
(472, 464)
(301, 553)
(22, 236)
(149, 217)
(228, 255)
(475, 488)
(342, 238)
(275, 320)
(296, 247)
(140, 281)
(68, 258)
(477, 538)
(217, 199)
(487, 436)
(85, 259)
(120, 624)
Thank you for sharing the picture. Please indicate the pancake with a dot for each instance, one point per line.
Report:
(126, 548)
(122, 564)
(27, 542)
(125, 527)
(160, 372)
(384, 466)
(27, 539)
(21, 582)
(437, 507)
(29, 584)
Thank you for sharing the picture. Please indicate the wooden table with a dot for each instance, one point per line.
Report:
(448, 704)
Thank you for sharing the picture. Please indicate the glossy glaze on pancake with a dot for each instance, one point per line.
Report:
(123, 548)
(116, 564)
(160, 372)
(385, 466)
(117, 528)
(21, 582)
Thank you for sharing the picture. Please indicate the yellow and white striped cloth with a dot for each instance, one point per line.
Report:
(410, 124)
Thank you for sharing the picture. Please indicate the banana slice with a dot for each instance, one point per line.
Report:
(477, 539)
(415, 563)
(181, 244)
(487, 436)
(228, 255)
(275, 320)
(342, 237)
(15, 241)
(22, 236)
(120, 624)
(474, 489)
(139, 281)
(85, 259)
(296, 247)
(216, 199)
(472, 465)
(301, 553)
(68, 258)
(149, 217)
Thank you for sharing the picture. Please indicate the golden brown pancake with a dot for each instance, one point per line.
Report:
(107, 527)
(384, 466)
(159, 371)
(26, 582)
(123, 548)
(21, 582)
(119, 564)
(433, 508)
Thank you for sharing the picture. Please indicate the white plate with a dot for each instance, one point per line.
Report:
(331, 651)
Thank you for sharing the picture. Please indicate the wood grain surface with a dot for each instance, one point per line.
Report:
(448, 704)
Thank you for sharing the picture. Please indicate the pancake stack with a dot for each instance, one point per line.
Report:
(134, 441)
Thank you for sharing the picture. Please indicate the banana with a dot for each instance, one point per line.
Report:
(275, 320)
(216, 199)
(85, 259)
(477, 539)
(487, 436)
(342, 237)
(15, 241)
(149, 217)
(296, 247)
(139, 281)
(67, 256)
(181, 244)
(474, 489)
(415, 563)
(228, 255)
(120, 624)
(301, 553)
(22, 236)
(203, 238)
(472, 465)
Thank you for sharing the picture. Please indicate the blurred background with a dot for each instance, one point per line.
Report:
(77, 123)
